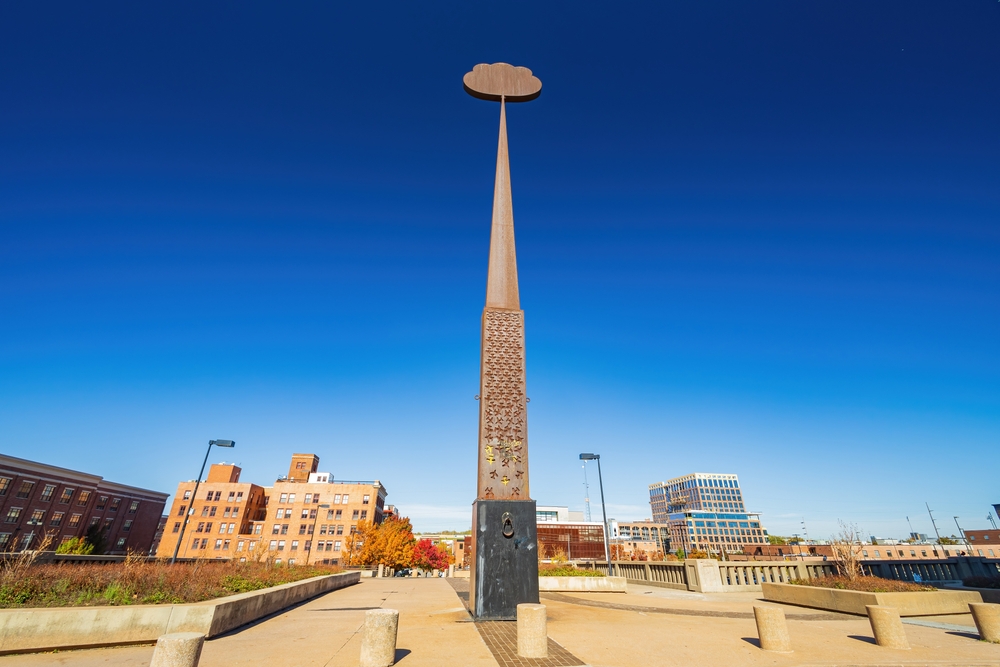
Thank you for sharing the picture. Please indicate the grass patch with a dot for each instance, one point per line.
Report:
(116, 584)
(864, 584)
(566, 571)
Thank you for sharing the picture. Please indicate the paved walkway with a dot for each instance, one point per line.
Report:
(646, 626)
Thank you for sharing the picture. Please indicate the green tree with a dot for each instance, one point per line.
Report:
(76, 546)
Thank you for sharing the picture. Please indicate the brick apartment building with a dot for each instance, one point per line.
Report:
(37, 499)
(233, 519)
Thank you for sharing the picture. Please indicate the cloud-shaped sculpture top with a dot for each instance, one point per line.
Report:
(500, 80)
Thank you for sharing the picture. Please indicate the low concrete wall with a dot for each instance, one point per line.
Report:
(922, 603)
(46, 629)
(582, 584)
(991, 595)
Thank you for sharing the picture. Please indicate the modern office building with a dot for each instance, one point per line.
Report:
(562, 533)
(706, 512)
(37, 499)
(305, 517)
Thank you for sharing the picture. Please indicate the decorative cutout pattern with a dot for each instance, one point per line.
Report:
(503, 422)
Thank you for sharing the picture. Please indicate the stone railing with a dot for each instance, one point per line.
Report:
(712, 576)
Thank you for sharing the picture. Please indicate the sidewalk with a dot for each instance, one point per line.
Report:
(646, 626)
(434, 628)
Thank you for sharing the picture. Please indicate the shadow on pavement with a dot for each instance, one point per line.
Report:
(862, 638)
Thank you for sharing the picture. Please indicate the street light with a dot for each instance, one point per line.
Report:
(312, 541)
(194, 495)
(604, 512)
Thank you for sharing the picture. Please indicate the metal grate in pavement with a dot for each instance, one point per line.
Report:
(501, 638)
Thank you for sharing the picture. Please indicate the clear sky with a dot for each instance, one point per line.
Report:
(754, 238)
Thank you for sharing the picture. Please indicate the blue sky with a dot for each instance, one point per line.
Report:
(759, 239)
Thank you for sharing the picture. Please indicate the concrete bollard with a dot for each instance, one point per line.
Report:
(887, 626)
(378, 641)
(987, 618)
(381, 570)
(178, 649)
(451, 570)
(772, 629)
(532, 633)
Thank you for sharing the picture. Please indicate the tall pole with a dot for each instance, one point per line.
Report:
(604, 513)
(933, 523)
(961, 533)
(190, 508)
(586, 492)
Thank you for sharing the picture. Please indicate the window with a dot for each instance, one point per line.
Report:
(257, 528)
(309, 497)
(236, 510)
(980, 552)
(273, 545)
(25, 489)
(102, 502)
(210, 513)
(336, 545)
(83, 498)
(305, 514)
(218, 494)
(302, 528)
(232, 527)
(204, 510)
(364, 514)
(133, 507)
(115, 503)
(14, 515)
(284, 529)
(312, 514)
(239, 497)
(95, 520)
(232, 495)
(66, 496)
(177, 526)
(4, 539)
(291, 497)
(239, 545)
(4, 485)
(913, 553)
(336, 499)
(208, 527)
(354, 517)
(225, 544)
(187, 495)
(201, 527)
(121, 542)
(295, 545)
(281, 545)
(48, 492)
(283, 498)
(183, 508)
(197, 541)
(218, 544)
(222, 528)
(74, 520)
(322, 529)
(300, 465)
(347, 498)
(37, 518)
(876, 554)
(57, 518)
(340, 530)
(365, 499)
(276, 529)
(329, 514)
(339, 513)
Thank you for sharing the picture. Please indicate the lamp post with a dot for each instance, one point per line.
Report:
(312, 536)
(604, 512)
(194, 494)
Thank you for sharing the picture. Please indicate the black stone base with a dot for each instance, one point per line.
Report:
(505, 567)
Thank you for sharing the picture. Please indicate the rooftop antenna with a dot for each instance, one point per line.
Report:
(933, 523)
(911, 526)
(989, 517)
(586, 493)
(805, 531)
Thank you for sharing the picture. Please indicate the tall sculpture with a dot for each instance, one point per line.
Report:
(505, 567)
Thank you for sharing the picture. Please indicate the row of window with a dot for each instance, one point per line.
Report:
(26, 487)
(27, 538)
(234, 496)
(38, 518)
(313, 498)
(331, 515)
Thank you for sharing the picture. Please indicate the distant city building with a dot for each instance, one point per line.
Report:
(642, 534)
(456, 544)
(984, 543)
(705, 512)
(233, 519)
(37, 499)
(562, 533)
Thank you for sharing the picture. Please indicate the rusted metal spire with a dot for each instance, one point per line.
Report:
(501, 282)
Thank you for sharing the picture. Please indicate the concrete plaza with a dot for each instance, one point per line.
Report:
(646, 626)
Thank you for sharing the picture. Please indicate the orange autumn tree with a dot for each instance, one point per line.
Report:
(389, 543)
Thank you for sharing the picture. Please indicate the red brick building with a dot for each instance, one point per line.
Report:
(37, 499)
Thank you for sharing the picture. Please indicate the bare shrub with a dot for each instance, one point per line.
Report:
(847, 549)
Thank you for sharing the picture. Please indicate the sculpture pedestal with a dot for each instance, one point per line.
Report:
(505, 567)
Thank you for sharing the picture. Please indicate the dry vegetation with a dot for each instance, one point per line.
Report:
(865, 584)
(566, 571)
(135, 581)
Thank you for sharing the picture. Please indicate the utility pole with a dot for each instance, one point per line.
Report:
(933, 523)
